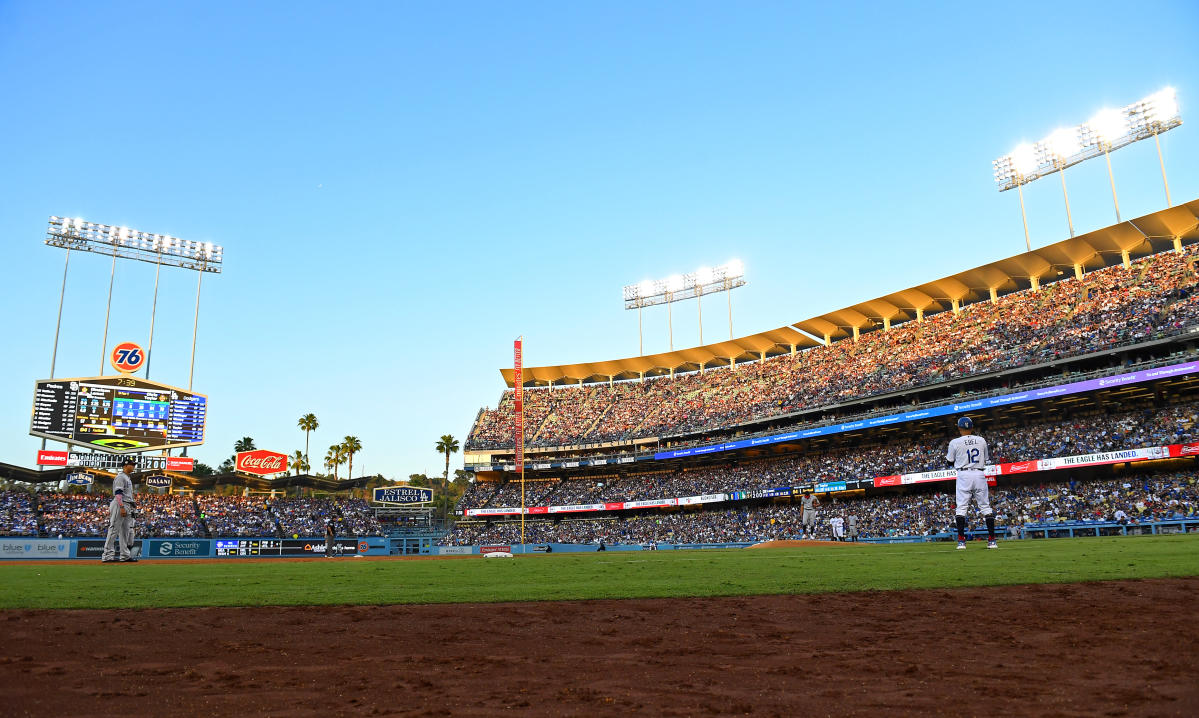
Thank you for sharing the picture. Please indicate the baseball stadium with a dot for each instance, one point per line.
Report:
(976, 495)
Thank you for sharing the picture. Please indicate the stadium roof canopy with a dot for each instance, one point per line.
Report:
(1118, 243)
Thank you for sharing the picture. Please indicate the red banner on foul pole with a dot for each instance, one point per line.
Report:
(519, 381)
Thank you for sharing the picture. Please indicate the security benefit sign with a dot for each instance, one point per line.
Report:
(403, 495)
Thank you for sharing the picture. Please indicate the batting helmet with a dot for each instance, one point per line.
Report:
(965, 423)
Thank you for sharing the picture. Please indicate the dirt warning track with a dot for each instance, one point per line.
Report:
(1116, 648)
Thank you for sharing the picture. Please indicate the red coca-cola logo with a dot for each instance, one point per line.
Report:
(261, 462)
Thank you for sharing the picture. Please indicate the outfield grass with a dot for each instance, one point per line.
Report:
(592, 575)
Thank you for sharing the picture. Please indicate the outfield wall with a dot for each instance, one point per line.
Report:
(230, 548)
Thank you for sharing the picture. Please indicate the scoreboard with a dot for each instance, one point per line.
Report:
(283, 547)
(117, 414)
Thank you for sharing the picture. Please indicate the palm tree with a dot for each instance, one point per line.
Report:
(350, 446)
(308, 423)
(447, 445)
(298, 461)
(245, 443)
(334, 458)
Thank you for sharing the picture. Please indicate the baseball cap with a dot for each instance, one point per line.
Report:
(965, 423)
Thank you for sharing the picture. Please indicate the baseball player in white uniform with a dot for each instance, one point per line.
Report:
(120, 517)
(809, 503)
(969, 455)
(838, 524)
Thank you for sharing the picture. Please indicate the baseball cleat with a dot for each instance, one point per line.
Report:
(961, 545)
(992, 544)
(128, 560)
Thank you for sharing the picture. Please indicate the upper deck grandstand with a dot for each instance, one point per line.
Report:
(1130, 285)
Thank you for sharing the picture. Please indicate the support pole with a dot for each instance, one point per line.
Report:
(1112, 178)
(195, 327)
(153, 311)
(58, 325)
(669, 322)
(1162, 162)
(699, 302)
(640, 338)
(729, 291)
(104, 347)
(1069, 219)
(1023, 215)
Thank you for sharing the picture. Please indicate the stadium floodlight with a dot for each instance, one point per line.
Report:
(125, 243)
(119, 242)
(1063, 143)
(694, 285)
(1108, 130)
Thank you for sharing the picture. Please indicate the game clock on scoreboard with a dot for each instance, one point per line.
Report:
(117, 414)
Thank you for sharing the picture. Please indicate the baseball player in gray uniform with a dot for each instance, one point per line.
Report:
(120, 517)
(969, 455)
(809, 503)
(852, 522)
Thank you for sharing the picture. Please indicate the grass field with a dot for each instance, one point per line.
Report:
(674, 574)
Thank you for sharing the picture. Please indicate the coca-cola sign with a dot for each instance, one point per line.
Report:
(261, 462)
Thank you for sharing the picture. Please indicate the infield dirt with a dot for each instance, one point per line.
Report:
(1114, 648)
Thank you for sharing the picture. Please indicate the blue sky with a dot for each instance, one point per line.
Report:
(403, 188)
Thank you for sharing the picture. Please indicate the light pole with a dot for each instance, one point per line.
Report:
(1108, 130)
(704, 280)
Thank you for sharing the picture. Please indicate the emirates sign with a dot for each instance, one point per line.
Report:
(261, 462)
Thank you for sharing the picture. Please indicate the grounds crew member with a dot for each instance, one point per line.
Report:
(120, 517)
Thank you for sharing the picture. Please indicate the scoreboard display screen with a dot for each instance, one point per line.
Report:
(118, 414)
(282, 547)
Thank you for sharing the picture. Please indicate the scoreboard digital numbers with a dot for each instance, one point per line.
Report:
(117, 414)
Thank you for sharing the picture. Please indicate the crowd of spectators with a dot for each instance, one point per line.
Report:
(304, 517)
(1073, 316)
(1043, 439)
(357, 518)
(183, 515)
(165, 515)
(236, 515)
(73, 514)
(1133, 500)
(17, 517)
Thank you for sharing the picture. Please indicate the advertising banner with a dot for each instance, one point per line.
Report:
(827, 486)
(650, 503)
(495, 549)
(94, 548)
(518, 381)
(34, 548)
(158, 482)
(179, 548)
(1184, 449)
(403, 495)
(261, 462)
(503, 511)
(454, 551)
(79, 479)
(705, 499)
(574, 508)
(112, 462)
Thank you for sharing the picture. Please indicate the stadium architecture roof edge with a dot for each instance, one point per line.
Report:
(1118, 243)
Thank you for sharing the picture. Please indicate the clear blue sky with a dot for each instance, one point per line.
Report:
(403, 188)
